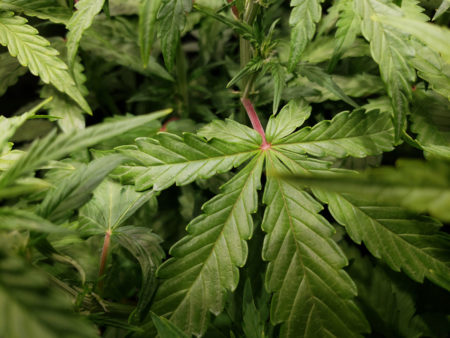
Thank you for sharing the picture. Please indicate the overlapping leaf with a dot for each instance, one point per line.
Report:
(391, 51)
(357, 134)
(170, 159)
(51, 10)
(34, 52)
(10, 71)
(402, 239)
(313, 295)
(204, 263)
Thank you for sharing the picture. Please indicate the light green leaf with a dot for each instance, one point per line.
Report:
(312, 294)
(231, 131)
(204, 263)
(356, 134)
(15, 219)
(110, 207)
(166, 329)
(172, 19)
(31, 308)
(24, 187)
(144, 245)
(434, 36)
(75, 190)
(148, 10)
(305, 14)
(403, 240)
(279, 75)
(442, 9)
(10, 71)
(288, 119)
(54, 146)
(81, 20)
(390, 50)
(51, 10)
(169, 159)
(34, 52)
(431, 121)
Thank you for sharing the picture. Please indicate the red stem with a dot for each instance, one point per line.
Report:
(234, 10)
(255, 121)
(103, 258)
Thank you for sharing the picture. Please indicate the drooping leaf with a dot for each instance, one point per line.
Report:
(303, 19)
(390, 50)
(110, 207)
(402, 239)
(148, 11)
(431, 121)
(204, 263)
(34, 52)
(51, 10)
(10, 71)
(31, 308)
(76, 189)
(312, 294)
(415, 185)
(166, 329)
(172, 20)
(357, 134)
(144, 245)
(169, 159)
(79, 22)
(54, 146)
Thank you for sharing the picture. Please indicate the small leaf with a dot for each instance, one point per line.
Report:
(166, 329)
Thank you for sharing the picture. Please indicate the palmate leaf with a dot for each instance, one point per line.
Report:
(51, 10)
(313, 295)
(30, 308)
(10, 71)
(305, 14)
(204, 263)
(34, 52)
(54, 147)
(402, 239)
(391, 51)
(80, 21)
(172, 20)
(357, 134)
(169, 159)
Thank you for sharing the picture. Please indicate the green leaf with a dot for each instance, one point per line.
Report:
(317, 75)
(305, 14)
(291, 116)
(430, 120)
(312, 294)
(144, 245)
(51, 10)
(442, 9)
(434, 36)
(10, 71)
(231, 131)
(172, 20)
(390, 50)
(80, 21)
(204, 263)
(110, 207)
(169, 159)
(24, 186)
(348, 27)
(415, 185)
(34, 52)
(167, 329)
(30, 308)
(403, 240)
(54, 146)
(279, 75)
(15, 219)
(356, 134)
(75, 190)
(251, 67)
(148, 10)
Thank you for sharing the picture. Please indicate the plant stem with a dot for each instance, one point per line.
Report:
(103, 258)
(255, 121)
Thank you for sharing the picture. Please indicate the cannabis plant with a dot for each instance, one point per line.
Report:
(240, 168)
